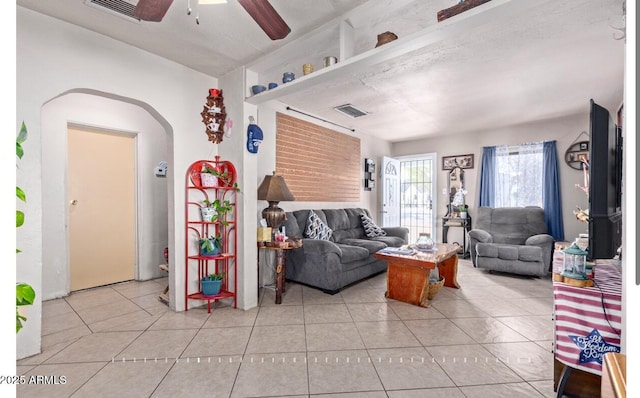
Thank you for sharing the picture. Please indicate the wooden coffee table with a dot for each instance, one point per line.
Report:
(408, 275)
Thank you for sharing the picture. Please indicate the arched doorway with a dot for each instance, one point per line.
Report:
(153, 226)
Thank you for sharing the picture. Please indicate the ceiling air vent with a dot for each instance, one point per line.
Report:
(123, 8)
(351, 111)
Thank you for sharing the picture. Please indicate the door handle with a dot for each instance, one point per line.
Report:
(74, 202)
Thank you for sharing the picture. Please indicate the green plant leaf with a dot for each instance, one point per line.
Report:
(19, 319)
(20, 194)
(19, 218)
(22, 135)
(25, 295)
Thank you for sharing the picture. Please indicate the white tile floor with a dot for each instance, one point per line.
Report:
(492, 338)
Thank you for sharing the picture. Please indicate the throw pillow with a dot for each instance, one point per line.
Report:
(370, 227)
(316, 228)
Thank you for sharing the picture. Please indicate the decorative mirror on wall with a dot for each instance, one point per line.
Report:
(454, 184)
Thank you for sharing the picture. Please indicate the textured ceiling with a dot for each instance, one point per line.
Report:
(521, 61)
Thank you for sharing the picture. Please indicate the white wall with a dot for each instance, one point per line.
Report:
(54, 57)
(246, 165)
(151, 147)
(564, 130)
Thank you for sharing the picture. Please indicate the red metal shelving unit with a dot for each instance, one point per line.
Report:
(195, 228)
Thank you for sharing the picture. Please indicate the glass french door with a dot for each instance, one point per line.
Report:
(418, 195)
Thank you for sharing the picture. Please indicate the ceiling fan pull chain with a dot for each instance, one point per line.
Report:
(198, 14)
(188, 7)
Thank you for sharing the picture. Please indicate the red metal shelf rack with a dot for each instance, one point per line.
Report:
(195, 228)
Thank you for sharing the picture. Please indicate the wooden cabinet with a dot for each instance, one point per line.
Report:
(198, 191)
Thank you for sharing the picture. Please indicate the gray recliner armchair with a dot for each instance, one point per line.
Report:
(511, 239)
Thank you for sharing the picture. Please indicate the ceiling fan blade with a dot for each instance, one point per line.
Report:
(267, 18)
(152, 10)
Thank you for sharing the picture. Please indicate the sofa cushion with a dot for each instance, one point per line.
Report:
(392, 241)
(292, 229)
(511, 225)
(316, 228)
(529, 253)
(370, 227)
(345, 223)
(371, 245)
(505, 252)
(509, 252)
(352, 253)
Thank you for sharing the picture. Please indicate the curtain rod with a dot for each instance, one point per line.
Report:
(324, 120)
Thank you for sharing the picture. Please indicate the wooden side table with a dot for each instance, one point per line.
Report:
(281, 266)
(464, 223)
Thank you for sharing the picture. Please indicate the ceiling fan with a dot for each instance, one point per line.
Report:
(260, 10)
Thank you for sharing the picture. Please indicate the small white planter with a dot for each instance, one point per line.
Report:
(208, 180)
(207, 213)
(463, 214)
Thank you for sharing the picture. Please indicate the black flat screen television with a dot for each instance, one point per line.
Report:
(605, 185)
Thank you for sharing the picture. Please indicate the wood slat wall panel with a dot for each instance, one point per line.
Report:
(319, 164)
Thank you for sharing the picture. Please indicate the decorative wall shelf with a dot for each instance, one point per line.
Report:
(369, 174)
(576, 153)
(349, 66)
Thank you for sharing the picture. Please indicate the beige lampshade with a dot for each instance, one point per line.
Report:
(274, 189)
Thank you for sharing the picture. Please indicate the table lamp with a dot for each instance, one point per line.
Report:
(274, 189)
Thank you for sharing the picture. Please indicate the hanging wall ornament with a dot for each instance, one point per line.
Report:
(214, 116)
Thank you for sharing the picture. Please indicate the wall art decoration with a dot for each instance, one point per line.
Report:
(462, 161)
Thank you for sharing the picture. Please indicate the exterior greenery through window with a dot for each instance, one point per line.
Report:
(519, 175)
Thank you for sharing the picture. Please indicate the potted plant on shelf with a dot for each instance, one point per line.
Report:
(210, 247)
(215, 211)
(210, 285)
(462, 209)
(210, 177)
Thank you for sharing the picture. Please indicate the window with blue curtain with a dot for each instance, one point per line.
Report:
(523, 175)
(518, 175)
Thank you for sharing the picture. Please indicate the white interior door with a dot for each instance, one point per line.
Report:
(101, 194)
(390, 176)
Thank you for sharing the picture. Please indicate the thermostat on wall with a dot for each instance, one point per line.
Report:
(161, 169)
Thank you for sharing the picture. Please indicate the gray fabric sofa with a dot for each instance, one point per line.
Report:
(511, 239)
(346, 258)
